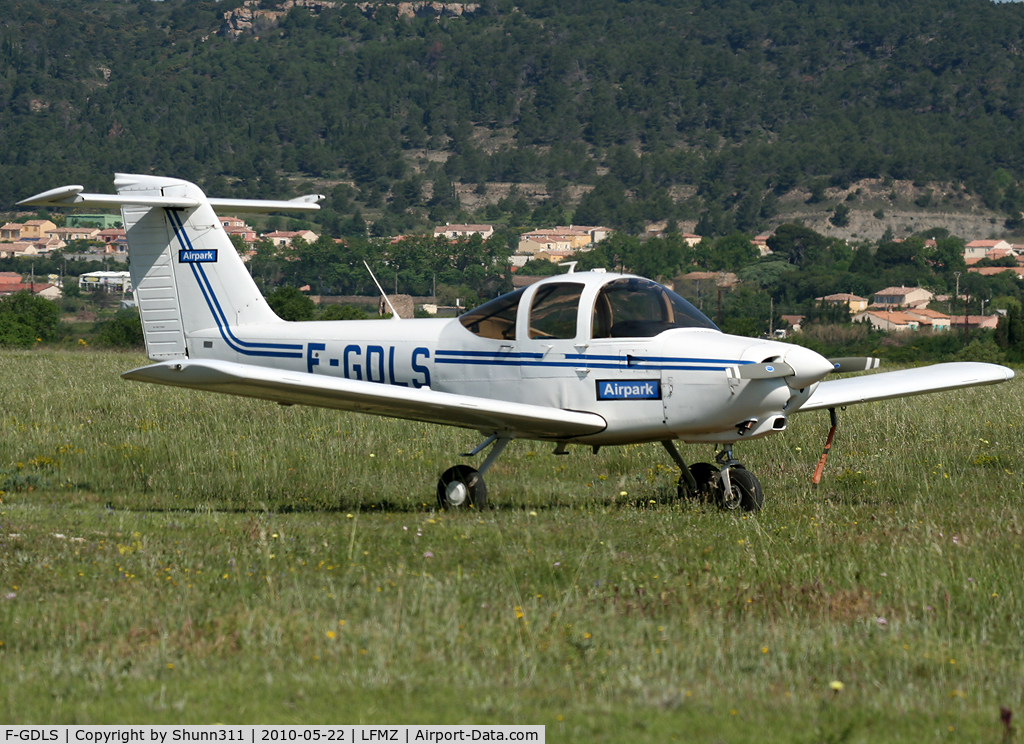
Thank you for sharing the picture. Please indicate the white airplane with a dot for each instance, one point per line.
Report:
(590, 358)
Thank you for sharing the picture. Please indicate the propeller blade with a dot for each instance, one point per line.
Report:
(854, 364)
(767, 371)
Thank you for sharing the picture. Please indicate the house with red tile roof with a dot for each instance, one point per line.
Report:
(995, 270)
(245, 232)
(36, 228)
(39, 289)
(980, 248)
(974, 321)
(853, 302)
(932, 319)
(111, 235)
(903, 297)
(883, 320)
(10, 231)
(284, 238)
(794, 321)
(67, 234)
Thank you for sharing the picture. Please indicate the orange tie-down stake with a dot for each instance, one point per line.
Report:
(828, 446)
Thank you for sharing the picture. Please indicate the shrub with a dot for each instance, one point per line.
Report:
(123, 331)
(26, 319)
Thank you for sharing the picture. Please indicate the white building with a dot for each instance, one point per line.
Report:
(108, 281)
(453, 232)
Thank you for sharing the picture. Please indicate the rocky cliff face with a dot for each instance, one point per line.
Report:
(249, 18)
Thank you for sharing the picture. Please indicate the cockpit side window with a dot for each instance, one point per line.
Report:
(495, 319)
(554, 310)
(635, 307)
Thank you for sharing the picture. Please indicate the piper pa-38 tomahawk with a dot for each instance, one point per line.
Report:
(590, 358)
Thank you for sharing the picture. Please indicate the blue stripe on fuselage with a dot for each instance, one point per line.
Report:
(590, 361)
(249, 348)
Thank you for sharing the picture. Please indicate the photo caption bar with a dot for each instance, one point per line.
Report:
(268, 734)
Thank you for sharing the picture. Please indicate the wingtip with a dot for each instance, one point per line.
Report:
(53, 197)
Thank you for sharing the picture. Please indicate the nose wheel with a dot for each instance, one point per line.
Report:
(735, 487)
(730, 485)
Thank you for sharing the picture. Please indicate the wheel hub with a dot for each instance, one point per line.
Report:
(457, 493)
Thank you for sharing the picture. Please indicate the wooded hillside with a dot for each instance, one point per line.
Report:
(672, 109)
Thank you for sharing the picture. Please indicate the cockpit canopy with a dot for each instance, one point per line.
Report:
(624, 307)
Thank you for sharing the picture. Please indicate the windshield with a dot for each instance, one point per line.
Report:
(495, 319)
(639, 307)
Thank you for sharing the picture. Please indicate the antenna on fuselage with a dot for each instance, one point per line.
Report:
(394, 313)
(571, 265)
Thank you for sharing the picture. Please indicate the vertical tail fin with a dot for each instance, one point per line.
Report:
(185, 270)
(188, 278)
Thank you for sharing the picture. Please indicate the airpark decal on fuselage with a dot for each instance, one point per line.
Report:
(629, 389)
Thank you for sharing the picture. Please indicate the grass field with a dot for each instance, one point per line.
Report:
(171, 556)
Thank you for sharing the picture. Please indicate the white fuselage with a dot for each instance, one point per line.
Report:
(678, 384)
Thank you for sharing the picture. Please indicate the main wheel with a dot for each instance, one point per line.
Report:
(461, 487)
(744, 490)
(704, 473)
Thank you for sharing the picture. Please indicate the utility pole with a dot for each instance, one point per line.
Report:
(967, 300)
(720, 283)
(956, 295)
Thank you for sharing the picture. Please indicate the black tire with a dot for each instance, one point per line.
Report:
(704, 473)
(461, 487)
(745, 492)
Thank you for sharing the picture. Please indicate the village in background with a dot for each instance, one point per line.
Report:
(82, 270)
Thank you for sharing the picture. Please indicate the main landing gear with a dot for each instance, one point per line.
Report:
(463, 487)
(728, 484)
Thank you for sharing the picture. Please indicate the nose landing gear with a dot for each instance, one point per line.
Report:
(728, 483)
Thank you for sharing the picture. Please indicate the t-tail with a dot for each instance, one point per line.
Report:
(188, 278)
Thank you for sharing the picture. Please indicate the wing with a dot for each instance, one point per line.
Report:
(518, 420)
(931, 379)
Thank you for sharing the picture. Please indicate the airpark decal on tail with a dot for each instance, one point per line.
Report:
(194, 256)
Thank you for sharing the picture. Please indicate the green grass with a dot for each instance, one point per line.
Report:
(171, 556)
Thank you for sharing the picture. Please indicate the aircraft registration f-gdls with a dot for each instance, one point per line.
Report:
(589, 358)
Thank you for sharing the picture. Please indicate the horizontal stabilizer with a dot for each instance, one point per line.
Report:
(519, 420)
(308, 203)
(73, 196)
(932, 379)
